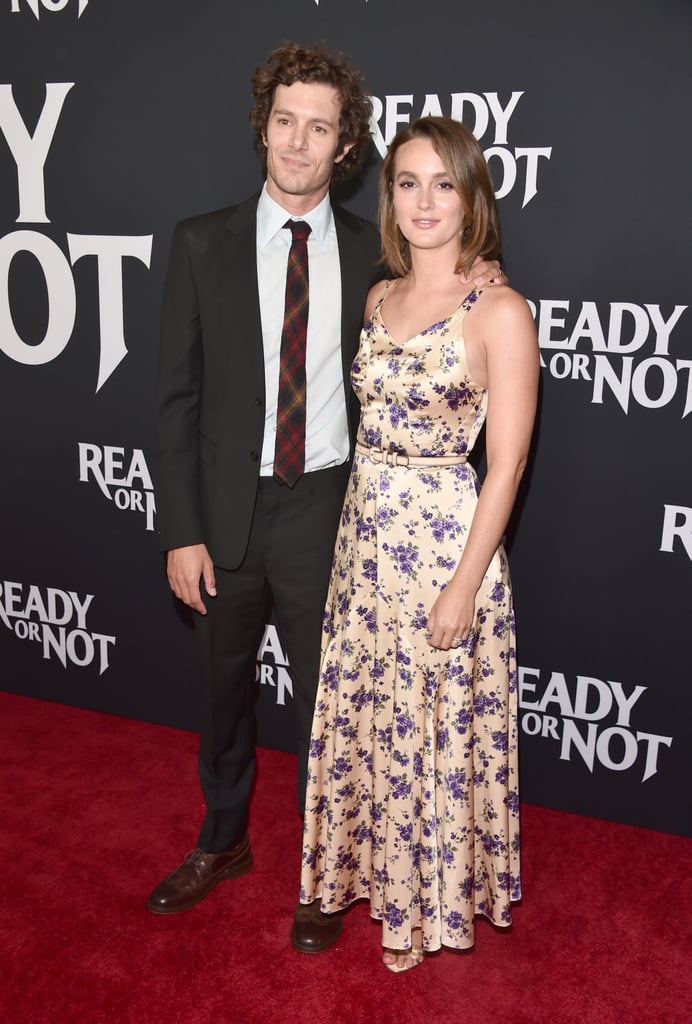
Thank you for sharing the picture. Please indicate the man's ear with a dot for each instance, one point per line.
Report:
(348, 146)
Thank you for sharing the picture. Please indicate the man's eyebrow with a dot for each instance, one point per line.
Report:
(313, 120)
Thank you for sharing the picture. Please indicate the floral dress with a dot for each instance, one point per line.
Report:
(412, 797)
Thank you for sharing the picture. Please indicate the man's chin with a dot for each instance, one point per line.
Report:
(296, 187)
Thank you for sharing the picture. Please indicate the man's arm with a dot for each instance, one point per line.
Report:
(176, 454)
(179, 387)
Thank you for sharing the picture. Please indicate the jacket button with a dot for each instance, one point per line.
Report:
(254, 456)
(258, 401)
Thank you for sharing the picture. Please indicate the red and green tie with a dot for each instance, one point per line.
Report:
(289, 453)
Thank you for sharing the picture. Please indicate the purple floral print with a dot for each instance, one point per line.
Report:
(412, 797)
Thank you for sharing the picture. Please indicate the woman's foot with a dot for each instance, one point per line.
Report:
(400, 960)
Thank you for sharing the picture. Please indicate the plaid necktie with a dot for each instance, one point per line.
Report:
(289, 453)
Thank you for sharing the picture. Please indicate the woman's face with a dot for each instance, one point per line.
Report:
(429, 211)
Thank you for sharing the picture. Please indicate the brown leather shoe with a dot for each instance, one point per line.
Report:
(312, 931)
(197, 876)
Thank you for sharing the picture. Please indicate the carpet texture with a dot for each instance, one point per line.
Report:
(95, 810)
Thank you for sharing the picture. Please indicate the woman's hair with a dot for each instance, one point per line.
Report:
(468, 172)
(293, 63)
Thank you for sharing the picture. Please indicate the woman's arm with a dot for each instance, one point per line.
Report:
(503, 330)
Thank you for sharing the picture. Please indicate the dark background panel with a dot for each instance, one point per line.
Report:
(156, 128)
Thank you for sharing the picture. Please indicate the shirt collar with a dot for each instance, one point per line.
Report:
(271, 218)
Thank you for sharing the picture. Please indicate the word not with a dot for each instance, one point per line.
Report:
(47, 5)
(45, 615)
(477, 111)
(613, 337)
(30, 152)
(615, 747)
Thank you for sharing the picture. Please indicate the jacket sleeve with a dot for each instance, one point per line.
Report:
(179, 387)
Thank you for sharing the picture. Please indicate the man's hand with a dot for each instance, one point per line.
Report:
(485, 272)
(184, 568)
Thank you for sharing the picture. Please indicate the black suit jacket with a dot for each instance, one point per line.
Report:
(210, 413)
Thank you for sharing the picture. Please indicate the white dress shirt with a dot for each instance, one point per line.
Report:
(326, 424)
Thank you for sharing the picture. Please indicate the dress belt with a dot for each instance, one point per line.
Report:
(397, 459)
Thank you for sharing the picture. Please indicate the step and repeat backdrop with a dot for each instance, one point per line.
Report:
(119, 118)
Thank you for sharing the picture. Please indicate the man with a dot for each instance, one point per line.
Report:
(237, 536)
(256, 423)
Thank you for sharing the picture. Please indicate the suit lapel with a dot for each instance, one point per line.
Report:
(241, 306)
(241, 293)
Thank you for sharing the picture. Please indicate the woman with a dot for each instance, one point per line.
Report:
(412, 786)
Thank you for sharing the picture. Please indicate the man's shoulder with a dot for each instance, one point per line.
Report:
(353, 222)
(214, 220)
(359, 242)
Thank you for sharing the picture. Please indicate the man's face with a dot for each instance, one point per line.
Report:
(302, 137)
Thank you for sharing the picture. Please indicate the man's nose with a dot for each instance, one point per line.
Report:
(298, 137)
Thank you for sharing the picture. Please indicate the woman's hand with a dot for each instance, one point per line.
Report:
(451, 617)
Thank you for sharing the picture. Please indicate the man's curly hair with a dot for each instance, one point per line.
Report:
(294, 63)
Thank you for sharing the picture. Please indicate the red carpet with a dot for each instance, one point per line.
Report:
(96, 809)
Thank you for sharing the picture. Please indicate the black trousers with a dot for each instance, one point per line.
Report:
(287, 563)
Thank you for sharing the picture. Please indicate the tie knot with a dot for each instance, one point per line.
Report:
(300, 229)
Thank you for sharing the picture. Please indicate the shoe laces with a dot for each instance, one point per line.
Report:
(192, 856)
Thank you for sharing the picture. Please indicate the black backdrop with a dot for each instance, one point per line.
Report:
(582, 110)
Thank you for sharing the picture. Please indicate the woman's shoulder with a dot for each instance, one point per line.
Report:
(502, 324)
(375, 295)
(499, 303)
(501, 296)
(501, 320)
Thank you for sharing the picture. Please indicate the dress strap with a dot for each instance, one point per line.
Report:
(385, 292)
(472, 297)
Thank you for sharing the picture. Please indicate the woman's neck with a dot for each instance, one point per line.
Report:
(433, 270)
